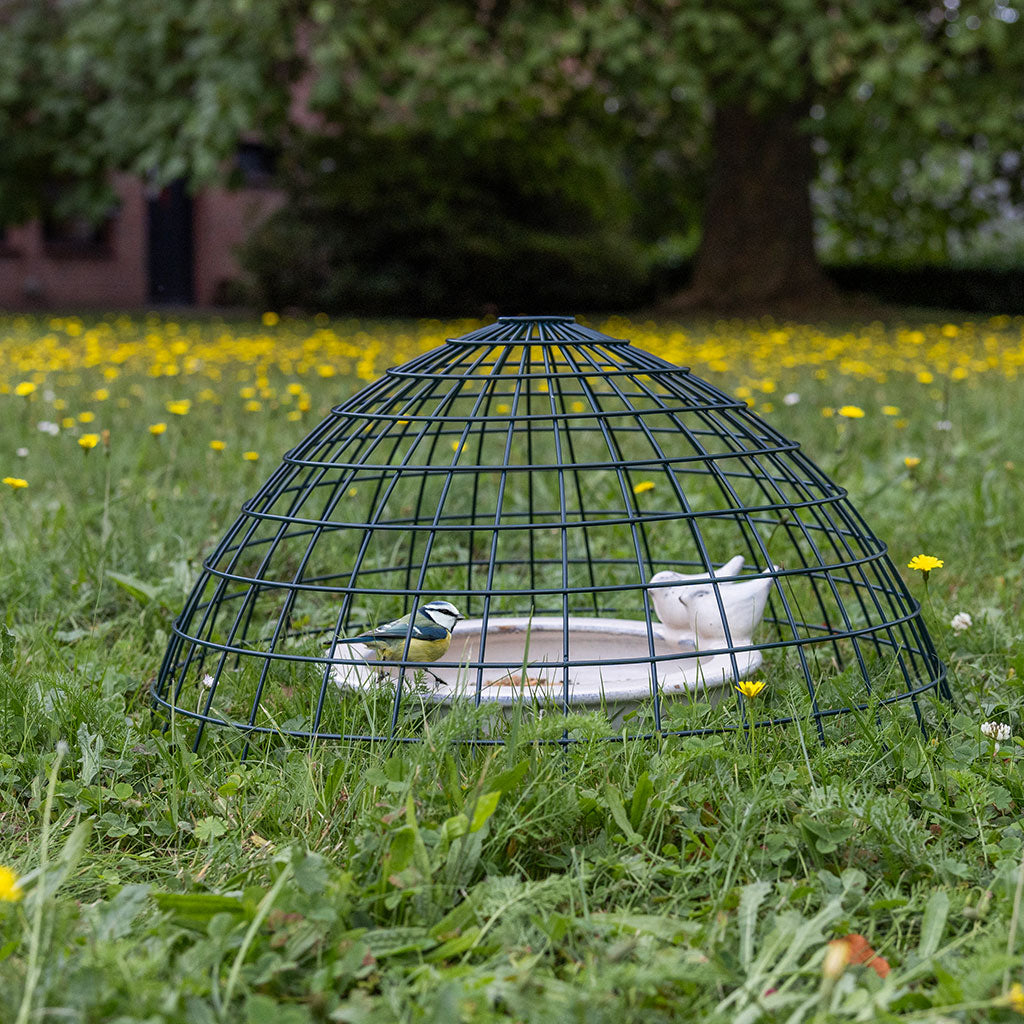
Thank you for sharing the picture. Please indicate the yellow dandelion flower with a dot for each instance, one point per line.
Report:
(642, 486)
(504, 407)
(902, 424)
(1015, 997)
(925, 377)
(86, 417)
(10, 890)
(89, 441)
(251, 456)
(295, 389)
(270, 319)
(156, 429)
(253, 405)
(925, 563)
(60, 404)
(24, 389)
(828, 412)
(912, 462)
(15, 482)
(101, 394)
(851, 412)
(295, 415)
(67, 422)
(750, 688)
(890, 410)
(578, 407)
(218, 446)
(179, 407)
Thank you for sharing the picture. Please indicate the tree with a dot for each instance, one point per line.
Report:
(762, 98)
(162, 88)
(777, 92)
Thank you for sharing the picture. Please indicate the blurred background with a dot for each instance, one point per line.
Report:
(464, 156)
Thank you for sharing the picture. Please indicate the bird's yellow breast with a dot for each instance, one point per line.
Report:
(393, 649)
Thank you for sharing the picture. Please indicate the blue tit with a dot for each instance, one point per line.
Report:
(428, 637)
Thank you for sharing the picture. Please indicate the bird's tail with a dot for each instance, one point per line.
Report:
(364, 638)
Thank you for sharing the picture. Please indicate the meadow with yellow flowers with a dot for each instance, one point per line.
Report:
(880, 878)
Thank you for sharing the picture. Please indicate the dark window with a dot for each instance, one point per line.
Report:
(255, 165)
(70, 235)
(7, 249)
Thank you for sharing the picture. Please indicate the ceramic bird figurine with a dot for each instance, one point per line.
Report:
(690, 613)
(670, 602)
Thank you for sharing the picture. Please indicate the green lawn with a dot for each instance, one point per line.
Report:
(699, 880)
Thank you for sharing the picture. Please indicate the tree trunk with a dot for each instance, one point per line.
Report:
(757, 249)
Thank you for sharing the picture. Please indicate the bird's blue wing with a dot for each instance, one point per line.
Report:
(393, 630)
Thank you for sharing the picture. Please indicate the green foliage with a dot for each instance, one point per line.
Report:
(387, 224)
(443, 122)
(913, 111)
(164, 90)
(41, 116)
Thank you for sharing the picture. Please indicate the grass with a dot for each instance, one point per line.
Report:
(701, 879)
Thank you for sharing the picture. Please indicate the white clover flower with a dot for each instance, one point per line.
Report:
(791, 399)
(22, 453)
(961, 622)
(995, 731)
(944, 425)
(208, 681)
(46, 427)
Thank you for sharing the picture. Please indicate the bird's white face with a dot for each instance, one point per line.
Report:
(444, 613)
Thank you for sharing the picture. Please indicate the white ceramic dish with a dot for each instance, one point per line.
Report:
(539, 642)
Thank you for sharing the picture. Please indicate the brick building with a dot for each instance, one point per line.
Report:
(156, 248)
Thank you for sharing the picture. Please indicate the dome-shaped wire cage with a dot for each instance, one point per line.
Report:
(621, 537)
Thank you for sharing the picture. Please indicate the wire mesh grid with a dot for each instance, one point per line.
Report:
(539, 474)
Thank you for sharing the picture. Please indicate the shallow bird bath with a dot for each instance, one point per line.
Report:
(609, 664)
